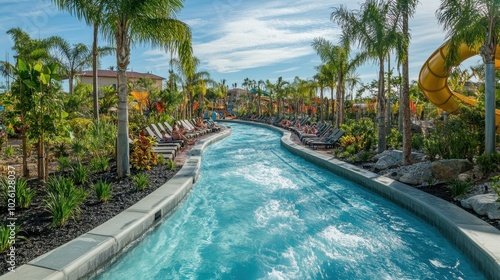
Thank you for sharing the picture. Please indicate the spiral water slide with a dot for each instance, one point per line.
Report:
(433, 80)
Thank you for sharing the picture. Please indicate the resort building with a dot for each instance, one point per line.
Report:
(109, 77)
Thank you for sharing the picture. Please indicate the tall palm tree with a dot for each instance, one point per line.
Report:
(90, 11)
(321, 83)
(280, 87)
(475, 24)
(129, 22)
(403, 10)
(376, 34)
(327, 51)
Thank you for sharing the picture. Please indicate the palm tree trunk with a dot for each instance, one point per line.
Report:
(490, 107)
(70, 82)
(122, 61)
(26, 171)
(95, 85)
(381, 108)
(321, 113)
(333, 106)
(405, 99)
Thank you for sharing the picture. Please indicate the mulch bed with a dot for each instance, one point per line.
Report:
(35, 222)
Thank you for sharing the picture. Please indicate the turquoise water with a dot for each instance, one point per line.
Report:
(259, 212)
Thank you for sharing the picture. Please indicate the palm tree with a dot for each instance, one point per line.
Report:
(321, 83)
(404, 9)
(475, 24)
(327, 51)
(280, 87)
(372, 28)
(90, 11)
(72, 59)
(128, 22)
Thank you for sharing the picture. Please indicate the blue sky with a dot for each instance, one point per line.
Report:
(234, 39)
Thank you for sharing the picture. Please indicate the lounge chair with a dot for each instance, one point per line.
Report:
(329, 143)
(178, 144)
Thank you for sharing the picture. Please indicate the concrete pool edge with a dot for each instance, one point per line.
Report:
(473, 236)
(85, 254)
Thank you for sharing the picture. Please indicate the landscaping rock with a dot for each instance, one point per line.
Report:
(483, 204)
(417, 173)
(447, 169)
(386, 161)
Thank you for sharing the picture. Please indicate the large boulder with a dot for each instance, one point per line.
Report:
(386, 161)
(483, 204)
(417, 173)
(447, 169)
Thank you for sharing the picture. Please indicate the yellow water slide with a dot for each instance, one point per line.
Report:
(433, 80)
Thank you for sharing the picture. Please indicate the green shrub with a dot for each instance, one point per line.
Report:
(417, 141)
(64, 164)
(458, 187)
(23, 194)
(452, 139)
(488, 163)
(161, 159)
(79, 148)
(170, 164)
(9, 151)
(363, 131)
(80, 173)
(102, 190)
(140, 181)
(63, 199)
(365, 156)
(61, 146)
(395, 139)
(5, 237)
(103, 163)
(495, 185)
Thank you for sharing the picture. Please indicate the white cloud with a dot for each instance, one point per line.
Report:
(261, 35)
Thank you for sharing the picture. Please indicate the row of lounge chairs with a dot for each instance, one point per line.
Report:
(326, 136)
(171, 148)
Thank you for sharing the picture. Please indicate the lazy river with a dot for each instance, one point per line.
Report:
(260, 212)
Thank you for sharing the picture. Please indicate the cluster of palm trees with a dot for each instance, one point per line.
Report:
(378, 27)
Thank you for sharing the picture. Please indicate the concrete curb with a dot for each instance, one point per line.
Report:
(88, 252)
(477, 239)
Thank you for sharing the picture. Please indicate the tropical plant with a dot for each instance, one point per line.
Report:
(63, 199)
(143, 157)
(23, 195)
(80, 173)
(375, 31)
(64, 164)
(6, 236)
(140, 181)
(102, 190)
(9, 151)
(458, 187)
(474, 23)
(495, 185)
(170, 164)
(395, 139)
(488, 162)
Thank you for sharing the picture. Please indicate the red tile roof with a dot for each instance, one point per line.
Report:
(113, 74)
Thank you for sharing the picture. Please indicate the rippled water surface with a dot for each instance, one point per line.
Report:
(259, 212)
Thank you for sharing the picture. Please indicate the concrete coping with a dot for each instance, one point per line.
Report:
(474, 237)
(87, 253)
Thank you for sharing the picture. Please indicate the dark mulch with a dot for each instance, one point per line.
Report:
(35, 222)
